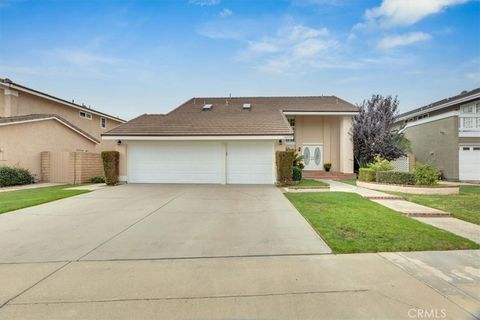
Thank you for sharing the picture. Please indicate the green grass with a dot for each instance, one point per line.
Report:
(350, 223)
(311, 183)
(465, 206)
(353, 182)
(13, 200)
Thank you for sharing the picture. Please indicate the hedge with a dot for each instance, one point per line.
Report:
(14, 176)
(366, 174)
(425, 174)
(284, 162)
(111, 166)
(297, 174)
(395, 177)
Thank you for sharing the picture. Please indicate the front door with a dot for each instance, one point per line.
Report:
(313, 156)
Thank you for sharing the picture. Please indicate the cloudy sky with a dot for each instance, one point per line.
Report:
(133, 57)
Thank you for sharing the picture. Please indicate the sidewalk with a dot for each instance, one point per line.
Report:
(434, 217)
(30, 186)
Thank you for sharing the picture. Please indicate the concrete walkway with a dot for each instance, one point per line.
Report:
(30, 186)
(424, 214)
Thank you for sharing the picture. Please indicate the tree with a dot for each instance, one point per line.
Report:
(372, 131)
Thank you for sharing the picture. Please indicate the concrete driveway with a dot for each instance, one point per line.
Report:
(158, 222)
(211, 252)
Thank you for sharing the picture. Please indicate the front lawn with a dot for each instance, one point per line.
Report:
(350, 223)
(311, 183)
(465, 206)
(13, 200)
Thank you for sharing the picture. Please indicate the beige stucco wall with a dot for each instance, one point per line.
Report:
(331, 131)
(21, 144)
(17, 103)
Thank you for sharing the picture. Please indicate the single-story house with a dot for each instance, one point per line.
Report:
(446, 133)
(232, 140)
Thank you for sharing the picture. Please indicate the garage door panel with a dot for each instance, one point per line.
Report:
(469, 163)
(184, 162)
(250, 163)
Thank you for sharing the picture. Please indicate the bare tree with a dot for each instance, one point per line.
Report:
(372, 131)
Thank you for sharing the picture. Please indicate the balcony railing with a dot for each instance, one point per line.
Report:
(469, 123)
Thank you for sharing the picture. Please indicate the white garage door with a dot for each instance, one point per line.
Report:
(250, 163)
(469, 162)
(175, 162)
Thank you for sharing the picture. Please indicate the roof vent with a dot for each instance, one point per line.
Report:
(207, 106)
(247, 106)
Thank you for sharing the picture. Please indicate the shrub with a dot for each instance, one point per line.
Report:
(284, 162)
(366, 174)
(425, 174)
(14, 176)
(97, 179)
(298, 160)
(297, 174)
(111, 166)
(380, 164)
(395, 177)
(327, 166)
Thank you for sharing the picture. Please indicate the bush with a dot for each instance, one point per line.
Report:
(425, 174)
(380, 164)
(14, 176)
(284, 162)
(298, 160)
(366, 174)
(297, 174)
(395, 177)
(97, 179)
(327, 166)
(111, 166)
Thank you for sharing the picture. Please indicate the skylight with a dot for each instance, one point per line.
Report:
(247, 106)
(207, 106)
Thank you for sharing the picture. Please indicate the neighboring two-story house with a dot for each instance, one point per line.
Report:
(233, 140)
(32, 122)
(446, 133)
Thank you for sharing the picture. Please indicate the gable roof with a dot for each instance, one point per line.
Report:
(440, 104)
(228, 117)
(7, 83)
(42, 117)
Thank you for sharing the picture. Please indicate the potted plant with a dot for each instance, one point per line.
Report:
(327, 166)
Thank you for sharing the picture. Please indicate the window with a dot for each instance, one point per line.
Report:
(468, 123)
(476, 148)
(477, 106)
(103, 123)
(291, 121)
(468, 109)
(466, 148)
(85, 115)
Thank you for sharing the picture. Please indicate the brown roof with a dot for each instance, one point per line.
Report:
(39, 117)
(228, 117)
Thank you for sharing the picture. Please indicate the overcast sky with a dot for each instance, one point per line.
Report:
(132, 57)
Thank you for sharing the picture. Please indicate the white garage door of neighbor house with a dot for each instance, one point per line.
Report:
(200, 162)
(469, 163)
(250, 163)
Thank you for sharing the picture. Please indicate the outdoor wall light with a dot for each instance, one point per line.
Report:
(280, 142)
(119, 142)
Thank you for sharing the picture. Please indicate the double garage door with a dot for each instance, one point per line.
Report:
(469, 163)
(201, 162)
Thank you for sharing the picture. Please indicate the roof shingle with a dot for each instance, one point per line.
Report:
(228, 117)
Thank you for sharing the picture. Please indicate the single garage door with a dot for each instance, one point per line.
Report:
(469, 163)
(250, 163)
(201, 162)
(175, 162)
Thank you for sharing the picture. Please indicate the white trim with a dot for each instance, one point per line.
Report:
(430, 119)
(11, 85)
(50, 118)
(193, 138)
(450, 103)
(319, 113)
(469, 134)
